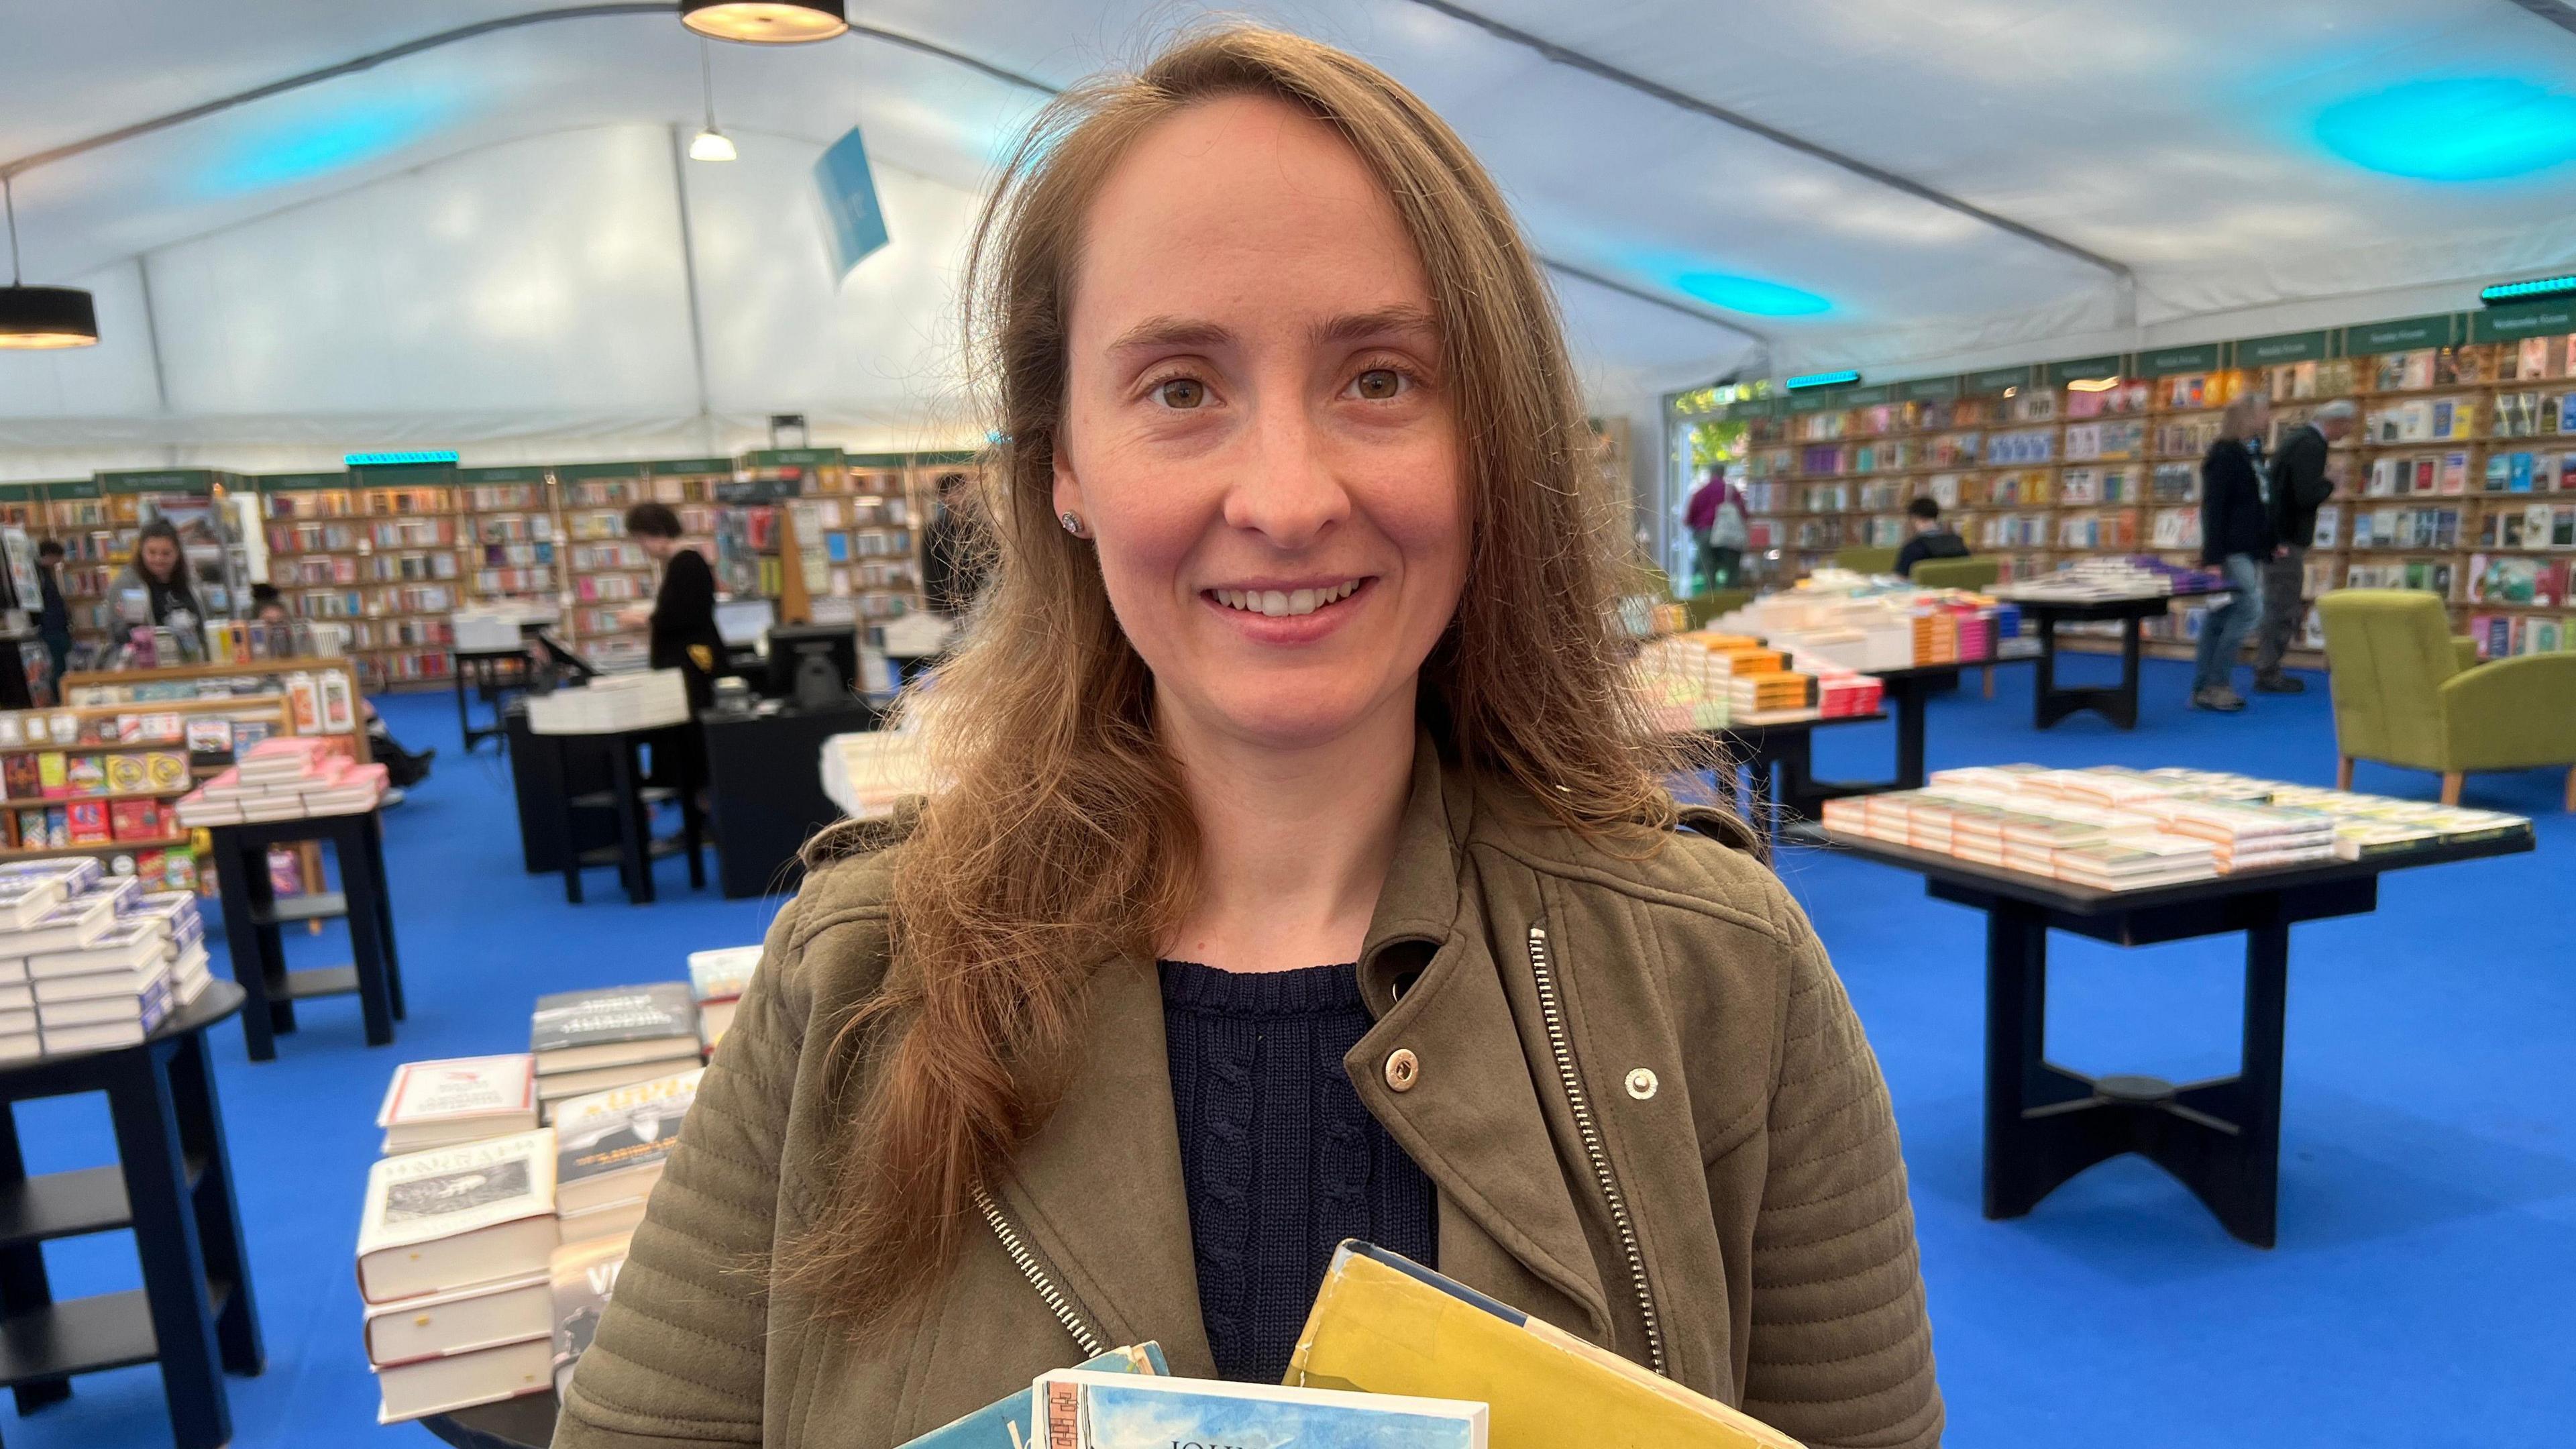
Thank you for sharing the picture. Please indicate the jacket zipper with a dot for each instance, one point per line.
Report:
(1552, 1013)
(1034, 1268)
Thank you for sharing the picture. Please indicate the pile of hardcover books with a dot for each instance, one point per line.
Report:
(1707, 680)
(286, 778)
(2112, 828)
(590, 1041)
(1838, 620)
(489, 1244)
(90, 961)
(1393, 1356)
(867, 774)
(645, 700)
(2101, 580)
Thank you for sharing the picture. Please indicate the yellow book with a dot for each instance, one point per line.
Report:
(1383, 1324)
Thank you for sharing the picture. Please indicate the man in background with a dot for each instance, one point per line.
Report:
(1930, 539)
(2299, 485)
(53, 617)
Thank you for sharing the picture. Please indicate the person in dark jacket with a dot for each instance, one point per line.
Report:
(683, 618)
(1930, 539)
(953, 562)
(54, 617)
(2299, 485)
(2235, 538)
(158, 575)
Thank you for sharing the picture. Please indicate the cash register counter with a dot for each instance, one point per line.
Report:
(764, 786)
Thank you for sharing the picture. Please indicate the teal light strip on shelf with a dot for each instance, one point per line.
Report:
(2527, 291)
(1822, 379)
(398, 460)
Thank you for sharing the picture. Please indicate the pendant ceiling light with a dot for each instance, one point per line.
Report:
(765, 22)
(709, 144)
(34, 317)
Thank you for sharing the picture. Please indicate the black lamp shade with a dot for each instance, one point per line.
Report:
(765, 22)
(44, 317)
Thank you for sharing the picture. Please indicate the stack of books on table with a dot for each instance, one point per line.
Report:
(459, 1099)
(89, 961)
(611, 1147)
(586, 1042)
(717, 980)
(286, 778)
(1679, 686)
(868, 774)
(2096, 580)
(612, 702)
(453, 1250)
(2111, 828)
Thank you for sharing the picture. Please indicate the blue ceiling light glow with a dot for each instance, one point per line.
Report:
(1845, 378)
(318, 145)
(2454, 130)
(1751, 294)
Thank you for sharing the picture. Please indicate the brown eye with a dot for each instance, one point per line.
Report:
(1379, 384)
(1181, 392)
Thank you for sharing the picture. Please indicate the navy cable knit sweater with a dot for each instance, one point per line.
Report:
(1280, 1159)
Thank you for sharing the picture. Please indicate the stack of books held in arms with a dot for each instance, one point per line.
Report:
(717, 980)
(90, 961)
(286, 778)
(1393, 1356)
(452, 1263)
(590, 1041)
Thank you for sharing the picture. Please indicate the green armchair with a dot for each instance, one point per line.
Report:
(1866, 560)
(2407, 692)
(1700, 608)
(1956, 573)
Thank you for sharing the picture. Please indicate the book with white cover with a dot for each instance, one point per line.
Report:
(24, 899)
(610, 1220)
(722, 975)
(458, 1099)
(189, 977)
(130, 944)
(99, 1009)
(75, 923)
(17, 1022)
(435, 1325)
(454, 1216)
(462, 1380)
(20, 1046)
(562, 1086)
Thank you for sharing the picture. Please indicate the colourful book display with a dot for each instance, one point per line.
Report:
(1083, 1410)
(1383, 1324)
(1005, 1424)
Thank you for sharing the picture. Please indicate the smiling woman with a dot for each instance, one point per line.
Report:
(1301, 872)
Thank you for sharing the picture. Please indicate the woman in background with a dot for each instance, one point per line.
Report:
(2235, 538)
(160, 573)
(1717, 525)
(682, 617)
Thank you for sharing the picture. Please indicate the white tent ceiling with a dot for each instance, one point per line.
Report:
(483, 241)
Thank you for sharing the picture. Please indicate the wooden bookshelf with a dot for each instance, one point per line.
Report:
(380, 554)
(2116, 471)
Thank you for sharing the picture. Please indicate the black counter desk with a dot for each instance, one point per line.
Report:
(2119, 702)
(765, 788)
(2221, 1137)
(539, 781)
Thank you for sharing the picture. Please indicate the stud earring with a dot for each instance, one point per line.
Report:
(1072, 522)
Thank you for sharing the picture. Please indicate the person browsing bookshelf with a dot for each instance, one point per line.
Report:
(1288, 780)
(1931, 539)
(2299, 487)
(681, 620)
(2235, 538)
(155, 582)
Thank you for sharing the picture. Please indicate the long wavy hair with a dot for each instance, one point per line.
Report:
(1060, 837)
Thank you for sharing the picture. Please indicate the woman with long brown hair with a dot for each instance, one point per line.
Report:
(1300, 868)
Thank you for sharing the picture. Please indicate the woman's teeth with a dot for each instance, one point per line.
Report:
(1284, 605)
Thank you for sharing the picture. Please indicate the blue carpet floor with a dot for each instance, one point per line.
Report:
(2423, 1293)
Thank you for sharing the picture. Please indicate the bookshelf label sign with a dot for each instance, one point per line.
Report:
(683, 467)
(301, 482)
(1821, 400)
(1865, 397)
(793, 458)
(165, 480)
(1995, 380)
(2530, 319)
(2288, 347)
(2400, 336)
(1929, 389)
(2062, 373)
(2168, 361)
(501, 475)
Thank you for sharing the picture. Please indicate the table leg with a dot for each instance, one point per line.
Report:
(634, 827)
(1912, 705)
(693, 824)
(464, 719)
(269, 941)
(571, 818)
(366, 926)
(2237, 1174)
(139, 1103)
(23, 1284)
(2124, 704)
(374, 837)
(2044, 689)
(233, 863)
(1794, 752)
(219, 1233)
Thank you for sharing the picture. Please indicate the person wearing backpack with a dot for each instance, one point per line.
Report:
(1718, 529)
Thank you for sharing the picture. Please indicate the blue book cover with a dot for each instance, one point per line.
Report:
(1005, 1424)
(1114, 1411)
(2521, 465)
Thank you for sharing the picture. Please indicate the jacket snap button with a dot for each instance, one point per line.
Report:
(1402, 1069)
(1641, 1084)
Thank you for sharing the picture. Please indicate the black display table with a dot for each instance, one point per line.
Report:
(2221, 1137)
(173, 1186)
(765, 790)
(2117, 703)
(253, 913)
(1908, 691)
(629, 801)
(1784, 749)
(493, 674)
(526, 1422)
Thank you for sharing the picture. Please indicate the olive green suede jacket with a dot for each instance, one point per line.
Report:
(1637, 1085)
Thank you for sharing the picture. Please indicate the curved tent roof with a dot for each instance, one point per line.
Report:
(484, 241)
